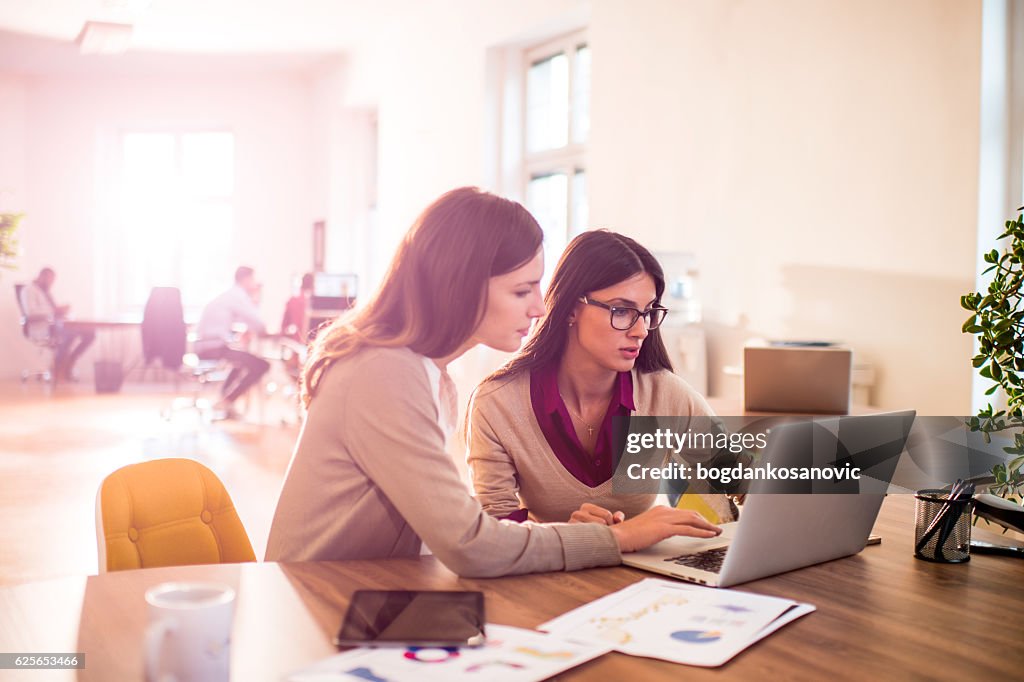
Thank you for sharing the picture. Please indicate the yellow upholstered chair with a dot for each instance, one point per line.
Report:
(167, 512)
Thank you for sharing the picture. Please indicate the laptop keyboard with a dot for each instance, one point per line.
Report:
(709, 560)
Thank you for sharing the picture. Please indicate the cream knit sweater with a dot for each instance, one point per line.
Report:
(370, 479)
(513, 466)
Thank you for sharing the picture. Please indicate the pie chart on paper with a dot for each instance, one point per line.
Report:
(697, 636)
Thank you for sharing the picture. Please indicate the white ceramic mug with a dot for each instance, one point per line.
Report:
(189, 634)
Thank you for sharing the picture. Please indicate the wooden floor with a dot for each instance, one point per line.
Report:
(56, 449)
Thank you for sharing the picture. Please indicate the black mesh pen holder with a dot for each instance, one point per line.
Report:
(947, 540)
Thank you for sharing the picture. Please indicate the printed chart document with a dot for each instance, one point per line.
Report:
(677, 622)
(510, 655)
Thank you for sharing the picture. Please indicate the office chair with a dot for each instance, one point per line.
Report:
(163, 329)
(167, 512)
(47, 345)
(165, 340)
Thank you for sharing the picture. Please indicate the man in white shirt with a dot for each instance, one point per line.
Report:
(46, 321)
(216, 336)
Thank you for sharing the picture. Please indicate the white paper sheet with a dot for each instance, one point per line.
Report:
(510, 655)
(677, 622)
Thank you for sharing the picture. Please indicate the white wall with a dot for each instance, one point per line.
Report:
(271, 117)
(821, 160)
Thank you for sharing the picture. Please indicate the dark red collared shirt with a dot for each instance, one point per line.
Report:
(557, 426)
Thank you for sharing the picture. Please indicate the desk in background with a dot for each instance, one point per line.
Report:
(733, 407)
(111, 347)
(881, 615)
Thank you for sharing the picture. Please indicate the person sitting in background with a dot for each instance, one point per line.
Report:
(295, 323)
(46, 320)
(295, 327)
(216, 337)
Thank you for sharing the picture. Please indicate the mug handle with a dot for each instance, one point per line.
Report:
(155, 634)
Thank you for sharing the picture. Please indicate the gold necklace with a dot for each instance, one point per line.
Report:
(590, 429)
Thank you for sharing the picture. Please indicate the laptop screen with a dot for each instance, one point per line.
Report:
(333, 291)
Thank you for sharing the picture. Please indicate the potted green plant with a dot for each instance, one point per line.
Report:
(8, 238)
(997, 319)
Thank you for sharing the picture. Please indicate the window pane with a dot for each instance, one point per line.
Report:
(176, 216)
(209, 225)
(547, 198)
(146, 244)
(148, 162)
(547, 104)
(580, 206)
(581, 95)
(208, 163)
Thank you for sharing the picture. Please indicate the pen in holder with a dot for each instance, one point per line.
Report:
(942, 531)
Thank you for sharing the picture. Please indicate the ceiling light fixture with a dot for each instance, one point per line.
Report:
(104, 37)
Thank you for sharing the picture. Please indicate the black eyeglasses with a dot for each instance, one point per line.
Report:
(623, 318)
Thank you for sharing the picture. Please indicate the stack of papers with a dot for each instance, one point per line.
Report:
(677, 622)
(653, 618)
(510, 655)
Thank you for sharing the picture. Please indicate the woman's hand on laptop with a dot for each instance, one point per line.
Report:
(591, 513)
(659, 523)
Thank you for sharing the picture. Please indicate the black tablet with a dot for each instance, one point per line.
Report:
(413, 618)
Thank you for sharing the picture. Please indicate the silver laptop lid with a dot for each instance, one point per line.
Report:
(788, 525)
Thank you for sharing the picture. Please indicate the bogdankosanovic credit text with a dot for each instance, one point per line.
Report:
(740, 472)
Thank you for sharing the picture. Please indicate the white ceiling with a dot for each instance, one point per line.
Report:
(23, 54)
(38, 36)
(267, 25)
(185, 36)
(211, 25)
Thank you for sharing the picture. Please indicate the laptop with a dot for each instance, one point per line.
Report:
(783, 531)
(797, 379)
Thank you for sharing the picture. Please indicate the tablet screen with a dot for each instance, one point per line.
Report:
(413, 618)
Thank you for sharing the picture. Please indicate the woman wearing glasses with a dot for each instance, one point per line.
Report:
(370, 477)
(540, 428)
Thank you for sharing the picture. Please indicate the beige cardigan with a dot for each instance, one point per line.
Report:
(513, 466)
(370, 479)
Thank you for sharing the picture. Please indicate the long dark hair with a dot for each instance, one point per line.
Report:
(593, 260)
(435, 291)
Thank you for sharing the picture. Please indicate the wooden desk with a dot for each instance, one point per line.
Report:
(881, 615)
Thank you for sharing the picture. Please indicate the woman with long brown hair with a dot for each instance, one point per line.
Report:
(541, 440)
(370, 477)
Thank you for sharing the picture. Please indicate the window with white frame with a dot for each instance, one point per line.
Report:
(556, 125)
(174, 216)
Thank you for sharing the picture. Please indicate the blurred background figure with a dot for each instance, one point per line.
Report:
(45, 320)
(295, 328)
(295, 323)
(217, 338)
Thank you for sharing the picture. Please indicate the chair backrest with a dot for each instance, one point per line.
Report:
(163, 328)
(39, 332)
(167, 512)
(21, 309)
